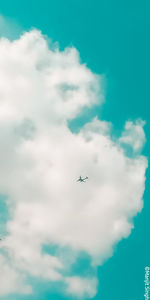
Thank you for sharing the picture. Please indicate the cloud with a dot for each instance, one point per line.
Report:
(42, 89)
(83, 287)
(133, 135)
(11, 279)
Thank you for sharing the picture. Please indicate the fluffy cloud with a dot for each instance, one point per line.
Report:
(11, 279)
(82, 287)
(40, 158)
(133, 135)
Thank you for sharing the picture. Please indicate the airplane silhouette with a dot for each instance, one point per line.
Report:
(82, 179)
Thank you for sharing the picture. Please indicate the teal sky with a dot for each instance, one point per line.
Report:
(112, 38)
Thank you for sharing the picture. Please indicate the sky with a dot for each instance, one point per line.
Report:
(74, 87)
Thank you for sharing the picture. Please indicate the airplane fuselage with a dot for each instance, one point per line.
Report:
(82, 179)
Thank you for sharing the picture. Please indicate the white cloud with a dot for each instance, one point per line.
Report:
(83, 287)
(133, 135)
(40, 158)
(11, 279)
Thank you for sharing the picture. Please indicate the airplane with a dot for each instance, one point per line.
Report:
(82, 179)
